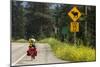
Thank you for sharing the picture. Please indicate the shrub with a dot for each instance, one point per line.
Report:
(70, 52)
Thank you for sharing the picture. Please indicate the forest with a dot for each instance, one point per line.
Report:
(44, 20)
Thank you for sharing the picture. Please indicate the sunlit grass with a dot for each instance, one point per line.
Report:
(70, 52)
(20, 41)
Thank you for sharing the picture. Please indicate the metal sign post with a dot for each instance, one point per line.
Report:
(74, 14)
(74, 28)
(74, 38)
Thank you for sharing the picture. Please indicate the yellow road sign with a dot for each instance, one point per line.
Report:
(74, 27)
(74, 13)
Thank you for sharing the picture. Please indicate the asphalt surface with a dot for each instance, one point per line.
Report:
(44, 55)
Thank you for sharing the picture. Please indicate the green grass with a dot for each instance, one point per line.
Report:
(20, 41)
(70, 52)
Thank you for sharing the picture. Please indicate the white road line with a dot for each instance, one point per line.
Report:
(18, 59)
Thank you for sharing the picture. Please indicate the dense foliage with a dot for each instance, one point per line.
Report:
(69, 52)
(43, 20)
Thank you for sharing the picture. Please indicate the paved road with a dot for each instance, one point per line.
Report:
(44, 55)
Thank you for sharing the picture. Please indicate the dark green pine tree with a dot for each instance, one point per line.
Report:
(17, 20)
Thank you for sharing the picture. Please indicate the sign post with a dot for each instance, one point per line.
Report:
(74, 14)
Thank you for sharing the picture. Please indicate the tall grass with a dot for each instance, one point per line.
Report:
(70, 52)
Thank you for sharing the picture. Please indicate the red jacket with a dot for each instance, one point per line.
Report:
(32, 51)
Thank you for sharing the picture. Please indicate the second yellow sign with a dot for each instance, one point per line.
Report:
(74, 27)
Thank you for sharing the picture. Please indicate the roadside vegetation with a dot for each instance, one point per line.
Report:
(19, 40)
(70, 52)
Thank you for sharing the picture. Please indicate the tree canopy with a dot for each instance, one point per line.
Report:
(43, 20)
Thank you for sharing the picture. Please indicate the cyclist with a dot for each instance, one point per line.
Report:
(32, 48)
